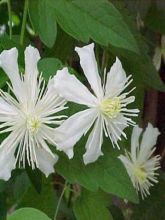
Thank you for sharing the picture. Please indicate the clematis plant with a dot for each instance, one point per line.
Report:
(28, 115)
(106, 106)
(139, 163)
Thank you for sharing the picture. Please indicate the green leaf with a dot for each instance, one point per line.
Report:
(49, 66)
(45, 201)
(155, 19)
(106, 173)
(35, 178)
(91, 206)
(28, 214)
(152, 207)
(96, 19)
(44, 22)
(3, 208)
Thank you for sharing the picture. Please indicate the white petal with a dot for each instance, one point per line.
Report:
(7, 150)
(89, 66)
(157, 58)
(6, 110)
(32, 57)
(135, 141)
(94, 143)
(7, 163)
(8, 62)
(116, 79)
(72, 130)
(45, 161)
(148, 141)
(69, 87)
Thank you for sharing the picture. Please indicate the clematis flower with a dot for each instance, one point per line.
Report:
(27, 115)
(106, 107)
(139, 163)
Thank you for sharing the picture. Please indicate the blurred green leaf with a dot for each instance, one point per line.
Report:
(35, 178)
(3, 208)
(155, 19)
(49, 66)
(43, 20)
(28, 214)
(152, 207)
(45, 201)
(91, 206)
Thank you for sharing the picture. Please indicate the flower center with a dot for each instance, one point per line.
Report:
(33, 124)
(140, 174)
(110, 107)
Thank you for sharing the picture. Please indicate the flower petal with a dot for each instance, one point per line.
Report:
(72, 130)
(135, 142)
(116, 79)
(32, 57)
(69, 87)
(148, 141)
(45, 161)
(7, 163)
(8, 62)
(89, 66)
(94, 143)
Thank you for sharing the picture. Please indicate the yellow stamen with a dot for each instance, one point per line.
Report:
(33, 124)
(140, 174)
(110, 107)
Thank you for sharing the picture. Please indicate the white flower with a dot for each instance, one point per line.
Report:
(107, 107)
(28, 116)
(139, 163)
(159, 54)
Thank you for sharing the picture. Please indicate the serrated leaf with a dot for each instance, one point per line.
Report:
(96, 19)
(28, 214)
(91, 206)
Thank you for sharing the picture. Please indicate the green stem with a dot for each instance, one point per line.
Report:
(24, 22)
(10, 18)
(59, 201)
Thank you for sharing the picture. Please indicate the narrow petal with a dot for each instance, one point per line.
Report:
(32, 57)
(94, 143)
(69, 87)
(7, 163)
(89, 66)
(45, 161)
(135, 141)
(148, 141)
(116, 79)
(72, 130)
(8, 62)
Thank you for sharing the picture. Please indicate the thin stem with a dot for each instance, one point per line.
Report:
(10, 18)
(24, 22)
(59, 201)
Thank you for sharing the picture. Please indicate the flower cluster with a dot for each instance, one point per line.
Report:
(30, 115)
